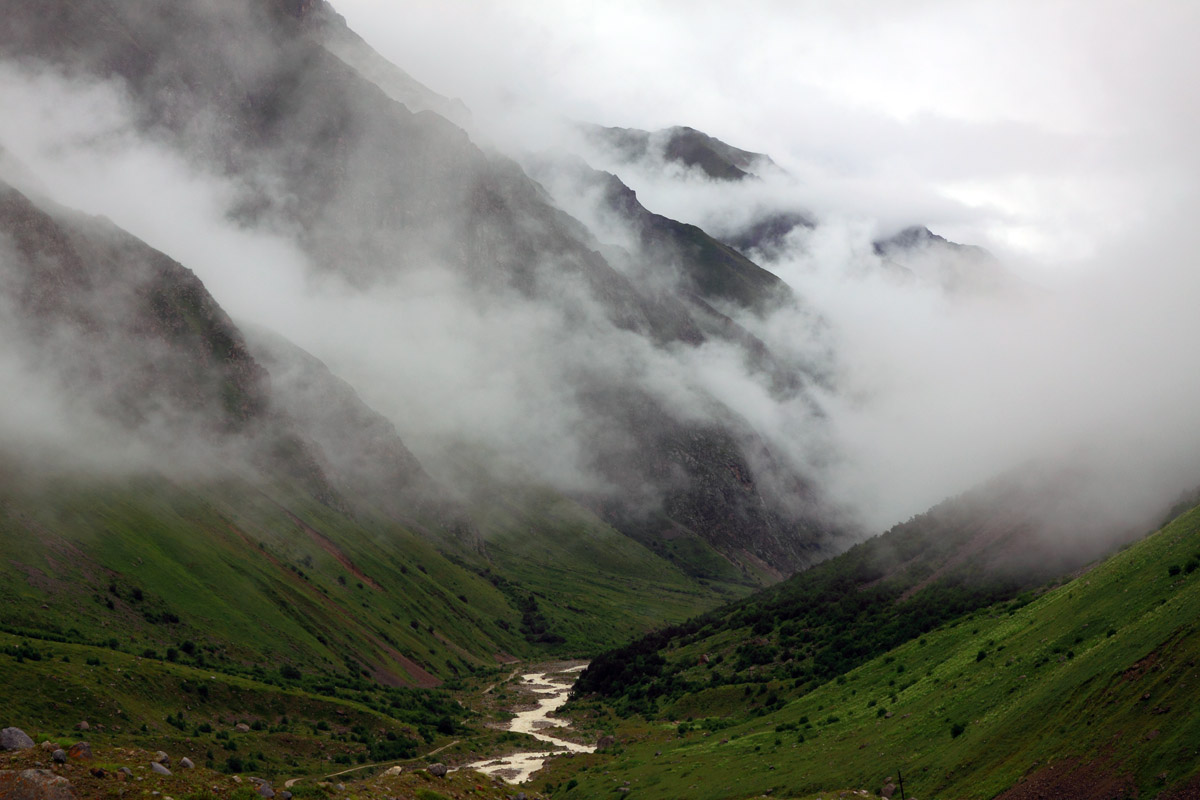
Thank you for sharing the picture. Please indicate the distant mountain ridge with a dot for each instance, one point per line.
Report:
(682, 146)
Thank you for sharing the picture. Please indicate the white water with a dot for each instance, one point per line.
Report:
(551, 695)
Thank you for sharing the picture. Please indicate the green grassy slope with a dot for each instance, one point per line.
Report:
(583, 574)
(970, 552)
(1098, 676)
(248, 579)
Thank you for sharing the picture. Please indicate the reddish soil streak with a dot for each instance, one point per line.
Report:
(1072, 779)
(331, 548)
(418, 675)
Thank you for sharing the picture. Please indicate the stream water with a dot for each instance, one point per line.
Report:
(550, 690)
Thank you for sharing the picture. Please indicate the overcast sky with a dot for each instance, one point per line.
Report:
(1040, 128)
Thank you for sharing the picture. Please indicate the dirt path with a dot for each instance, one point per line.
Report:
(511, 675)
(290, 782)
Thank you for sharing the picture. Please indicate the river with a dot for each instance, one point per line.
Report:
(550, 690)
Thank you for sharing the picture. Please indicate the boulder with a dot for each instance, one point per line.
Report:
(80, 750)
(186, 763)
(14, 739)
(438, 770)
(35, 784)
(285, 795)
(265, 790)
(396, 770)
(159, 769)
(888, 790)
(242, 727)
(162, 758)
(59, 756)
(83, 726)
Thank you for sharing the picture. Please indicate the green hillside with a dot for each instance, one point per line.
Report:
(248, 578)
(1092, 684)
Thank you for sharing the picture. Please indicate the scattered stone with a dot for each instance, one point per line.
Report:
(236, 779)
(159, 768)
(14, 739)
(257, 781)
(285, 795)
(396, 770)
(437, 770)
(83, 726)
(80, 750)
(242, 727)
(186, 763)
(265, 790)
(59, 756)
(341, 787)
(888, 790)
(162, 758)
(605, 742)
(35, 784)
(48, 745)
(126, 771)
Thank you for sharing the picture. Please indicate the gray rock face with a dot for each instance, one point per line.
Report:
(186, 763)
(14, 739)
(159, 769)
(35, 784)
(437, 770)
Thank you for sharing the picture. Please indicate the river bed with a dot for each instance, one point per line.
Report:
(550, 691)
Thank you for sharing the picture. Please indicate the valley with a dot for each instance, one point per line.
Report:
(360, 442)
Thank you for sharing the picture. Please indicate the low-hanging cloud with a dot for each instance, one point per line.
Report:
(928, 393)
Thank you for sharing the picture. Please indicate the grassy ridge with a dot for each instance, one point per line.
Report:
(1100, 672)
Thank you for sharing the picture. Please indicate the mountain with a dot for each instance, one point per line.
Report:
(916, 254)
(233, 492)
(680, 146)
(845, 678)
(303, 121)
(1008, 537)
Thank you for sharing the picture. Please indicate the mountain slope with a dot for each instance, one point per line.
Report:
(1082, 693)
(293, 527)
(994, 544)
